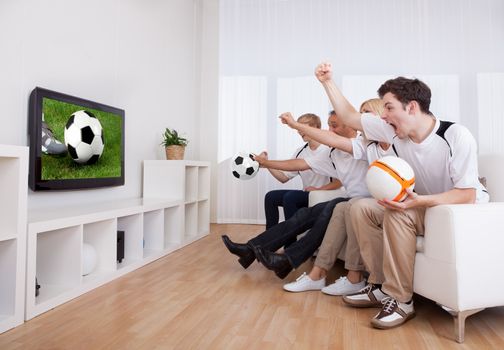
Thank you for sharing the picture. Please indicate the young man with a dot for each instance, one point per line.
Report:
(334, 163)
(443, 156)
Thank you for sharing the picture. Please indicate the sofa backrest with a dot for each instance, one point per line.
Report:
(491, 167)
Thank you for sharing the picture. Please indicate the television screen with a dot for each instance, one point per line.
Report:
(74, 143)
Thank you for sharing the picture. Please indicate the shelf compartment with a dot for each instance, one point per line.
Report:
(102, 236)
(153, 232)
(191, 220)
(9, 189)
(203, 217)
(203, 182)
(191, 184)
(8, 250)
(173, 222)
(132, 225)
(58, 267)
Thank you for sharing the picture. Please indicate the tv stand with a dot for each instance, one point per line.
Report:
(174, 212)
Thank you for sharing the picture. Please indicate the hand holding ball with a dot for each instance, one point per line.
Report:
(389, 178)
(243, 166)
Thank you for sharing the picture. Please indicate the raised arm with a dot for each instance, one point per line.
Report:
(344, 110)
(325, 137)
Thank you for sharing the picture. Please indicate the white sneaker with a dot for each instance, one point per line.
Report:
(343, 286)
(304, 283)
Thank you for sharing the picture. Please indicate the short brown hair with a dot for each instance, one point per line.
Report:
(311, 119)
(407, 90)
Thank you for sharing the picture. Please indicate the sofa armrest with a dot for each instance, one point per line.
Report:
(463, 254)
(319, 196)
(456, 232)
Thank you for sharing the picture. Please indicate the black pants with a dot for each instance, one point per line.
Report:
(290, 200)
(314, 218)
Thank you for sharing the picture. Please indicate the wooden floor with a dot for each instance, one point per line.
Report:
(201, 298)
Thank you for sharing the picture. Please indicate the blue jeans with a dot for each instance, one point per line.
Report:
(290, 200)
(314, 218)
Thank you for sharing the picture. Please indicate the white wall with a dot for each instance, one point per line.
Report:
(142, 56)
(209, 107)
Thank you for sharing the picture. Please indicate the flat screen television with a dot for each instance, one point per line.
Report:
(74, 143)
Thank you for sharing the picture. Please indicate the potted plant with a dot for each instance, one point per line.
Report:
(174, 144)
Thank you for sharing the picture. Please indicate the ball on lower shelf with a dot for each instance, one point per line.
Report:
(89, 259)
(389, 178)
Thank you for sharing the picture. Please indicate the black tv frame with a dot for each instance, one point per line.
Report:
(35, 138)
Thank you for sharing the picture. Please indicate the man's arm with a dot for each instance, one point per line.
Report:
(344, 110)
(325, 137)
(454, 196)
(333, 185)
(285, 165)
(277, 174)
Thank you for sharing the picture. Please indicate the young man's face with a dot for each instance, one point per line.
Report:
(397, 116)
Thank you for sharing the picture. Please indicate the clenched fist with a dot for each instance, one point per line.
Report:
(286, 118)
(323, 72)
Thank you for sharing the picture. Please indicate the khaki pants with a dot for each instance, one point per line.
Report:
(338, 231)
(387, 241)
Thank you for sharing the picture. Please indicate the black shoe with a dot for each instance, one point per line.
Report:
(245, 253)
(277, 263)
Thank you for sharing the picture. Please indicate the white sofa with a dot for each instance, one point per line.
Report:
(460, 264)
(460, 257)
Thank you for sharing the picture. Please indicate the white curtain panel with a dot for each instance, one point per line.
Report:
(298, 95)
(491, 112)
(268, 50)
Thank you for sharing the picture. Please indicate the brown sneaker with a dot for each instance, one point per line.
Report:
(369, 296)
(393, 314)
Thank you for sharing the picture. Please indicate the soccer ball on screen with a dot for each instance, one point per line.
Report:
(243, 166)
(84, 137)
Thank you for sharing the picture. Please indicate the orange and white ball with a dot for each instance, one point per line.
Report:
(389, 178)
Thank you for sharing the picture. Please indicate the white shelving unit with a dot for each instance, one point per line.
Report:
(154, 226)
(162, 181)
(13, 201)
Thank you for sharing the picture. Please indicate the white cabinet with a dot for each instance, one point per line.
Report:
(155, 225)
(190, 179)
(13, 199)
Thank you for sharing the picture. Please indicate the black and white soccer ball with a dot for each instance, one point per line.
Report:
(84, 137)
(244, 166)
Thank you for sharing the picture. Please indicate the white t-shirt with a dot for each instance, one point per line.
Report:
(309, 177)
(342, 166)
(439, 164)
(369, 150)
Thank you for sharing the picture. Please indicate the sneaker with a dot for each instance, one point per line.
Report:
(369, 296)
(51, 145)
(343, 286)
(304, 283)
(393, 314)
